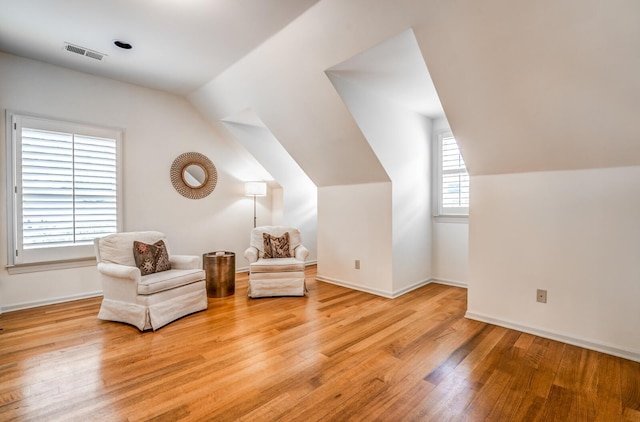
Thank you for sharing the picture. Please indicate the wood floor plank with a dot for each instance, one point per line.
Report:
(545, 356)
(630, 415)
(630, 385)
(609, 393)
(509, 402)
(335, 354)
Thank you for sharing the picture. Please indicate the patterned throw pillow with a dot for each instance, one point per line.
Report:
(276, 247)
(151, 258)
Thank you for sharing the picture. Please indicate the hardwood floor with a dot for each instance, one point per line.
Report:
(334, 355)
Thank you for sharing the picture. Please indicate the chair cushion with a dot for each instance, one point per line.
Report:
(166, 280)
(276, 265)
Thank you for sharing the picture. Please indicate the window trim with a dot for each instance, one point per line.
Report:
(80, 255)
(439, 213)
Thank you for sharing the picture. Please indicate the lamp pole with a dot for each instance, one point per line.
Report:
(255, 189)
(254, 211)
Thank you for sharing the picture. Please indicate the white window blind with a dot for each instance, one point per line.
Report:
(66, 189)
(453, 179)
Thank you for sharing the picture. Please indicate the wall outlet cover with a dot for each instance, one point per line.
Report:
(541, 296)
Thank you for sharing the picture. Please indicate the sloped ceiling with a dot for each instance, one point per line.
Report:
(525, 85)
(252, 133)
(178, 45)
(544, 85)
(394, 70)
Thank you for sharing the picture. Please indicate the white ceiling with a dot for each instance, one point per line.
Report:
(178, 45)
(395, 69)
(526, 86)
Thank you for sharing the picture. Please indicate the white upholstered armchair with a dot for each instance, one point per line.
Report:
(149, 301)
(276, 262)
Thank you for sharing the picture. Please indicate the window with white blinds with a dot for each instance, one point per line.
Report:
(66, 188)
(453, 186)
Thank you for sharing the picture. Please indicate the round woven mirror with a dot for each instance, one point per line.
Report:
(193, 175)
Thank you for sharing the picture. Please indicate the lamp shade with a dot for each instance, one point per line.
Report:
(255, 189)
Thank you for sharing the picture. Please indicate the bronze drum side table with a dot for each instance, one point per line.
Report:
(220, 269)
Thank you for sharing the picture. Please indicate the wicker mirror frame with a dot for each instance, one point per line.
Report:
(180, 166)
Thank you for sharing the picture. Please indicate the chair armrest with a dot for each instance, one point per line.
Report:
(251, 254)
(185, 262)
(119, 271)
(301, 253)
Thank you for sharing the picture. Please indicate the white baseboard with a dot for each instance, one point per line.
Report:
(52, 301)
(552, 335)
(414, 286)
(342, 283)
(377, 292)
(453, 283)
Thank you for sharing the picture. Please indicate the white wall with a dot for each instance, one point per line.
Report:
(573, 233)
(400, 138)
(283, 81)
(298, 194)
(450, 235)
(451, 251)
(158, 127)
(354, 222)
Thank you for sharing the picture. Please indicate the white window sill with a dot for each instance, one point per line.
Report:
(49, 266)
(451, 218)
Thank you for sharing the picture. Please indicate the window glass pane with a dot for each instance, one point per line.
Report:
(69, 188)
(451, 157)
(47, 189)
(95, 188)
(454, 180)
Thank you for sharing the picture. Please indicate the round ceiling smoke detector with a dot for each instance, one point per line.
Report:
(122, 44)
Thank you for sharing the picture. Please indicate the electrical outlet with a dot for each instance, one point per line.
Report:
(541, 296)
(357, 264)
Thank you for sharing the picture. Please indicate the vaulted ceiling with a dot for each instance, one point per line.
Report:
(526, 86)
(178, 45)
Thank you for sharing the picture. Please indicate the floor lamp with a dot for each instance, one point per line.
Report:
(255, 189)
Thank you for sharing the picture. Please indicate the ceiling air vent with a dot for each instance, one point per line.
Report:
(84, 51)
